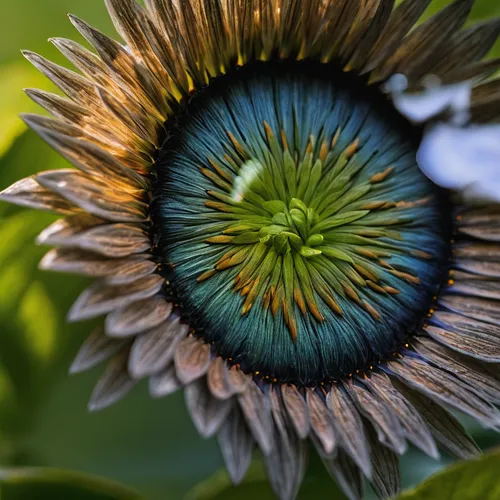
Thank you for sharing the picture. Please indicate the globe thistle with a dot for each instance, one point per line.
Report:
(248, 198)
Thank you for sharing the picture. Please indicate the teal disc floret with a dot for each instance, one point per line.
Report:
(301, 239)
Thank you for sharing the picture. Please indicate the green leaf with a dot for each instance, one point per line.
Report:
(55, 484)
(471, 480)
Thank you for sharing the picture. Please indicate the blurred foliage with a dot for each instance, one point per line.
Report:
(148, 444)
(473, 480)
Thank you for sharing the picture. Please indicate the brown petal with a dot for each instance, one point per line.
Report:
(443, 387)
(96, 348)
(58, 106)
(477, 286)
(414, 426)
(75, 86)
(347, 475)
(28, 193)
(389, 431)
(218, 379)
(93, 197)
(127, 72)
(401, 21)
(257, 414)
(489, 269)
(445, 428)
(164, 383)
(192, 359)
(138, 317)
(485, 384)
(287, 461)
(117, 271)
(101, 299)
(423, 42)
(467, 46)
(113, 385)
(207, 412)
(89, 233)
(154, 350)
(321, 422)
(469, 336)
(237, 380)
(296, 408)
(236, 444)
(350, 428)
(87, 157)
(479, 309)
(386, 481)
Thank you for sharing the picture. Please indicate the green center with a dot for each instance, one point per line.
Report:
(301, 237)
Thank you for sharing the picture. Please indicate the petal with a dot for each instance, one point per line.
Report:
(100, 299)
(113, 385)
(192, 359)
(207, 412)
(89, 233)
(154, 350)
(236, 444)
(95, 349)
(296, 408)
(321, 423)
(164, 383)
(138, 317)
(29, 193)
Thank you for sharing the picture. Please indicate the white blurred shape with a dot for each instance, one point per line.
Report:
(463, 159)
(433, 100)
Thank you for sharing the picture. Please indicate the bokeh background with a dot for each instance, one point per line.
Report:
(148, 444)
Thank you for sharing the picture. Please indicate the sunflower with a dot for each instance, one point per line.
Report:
(250, 204)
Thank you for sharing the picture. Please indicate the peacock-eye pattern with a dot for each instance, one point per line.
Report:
(299, 232)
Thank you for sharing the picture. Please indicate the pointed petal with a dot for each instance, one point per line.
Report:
(466, 335)
(28, 193)
(207, 412)
(484, 383)
(218, 379)
(296, 408)
(389, 430)
(443, 387)
(287, 461)
(164, 383)
(89, 233)
(350, 428)
(96, 349)
(93, 197)
(484, 310)
(386, 481)
(414, 426)
(138, 317)
(401, 21)
(117, 271)
(101, 299)
(347, 475)
(238, 381)
(236, 444)
(192, 359)
(413, 54)
(321, 422)
(257, 414)
(113, 385)
(154, 350)
(445, 428)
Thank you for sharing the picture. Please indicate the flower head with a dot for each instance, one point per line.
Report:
(250, 203)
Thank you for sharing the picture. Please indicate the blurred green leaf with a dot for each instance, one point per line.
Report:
(472, 480)
(15, 77)
(54, 484)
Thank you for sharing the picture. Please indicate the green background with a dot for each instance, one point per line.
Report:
(148, 444)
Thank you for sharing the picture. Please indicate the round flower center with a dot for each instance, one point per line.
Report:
(300, 236)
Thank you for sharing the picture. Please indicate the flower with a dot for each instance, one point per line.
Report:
(250, 203)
